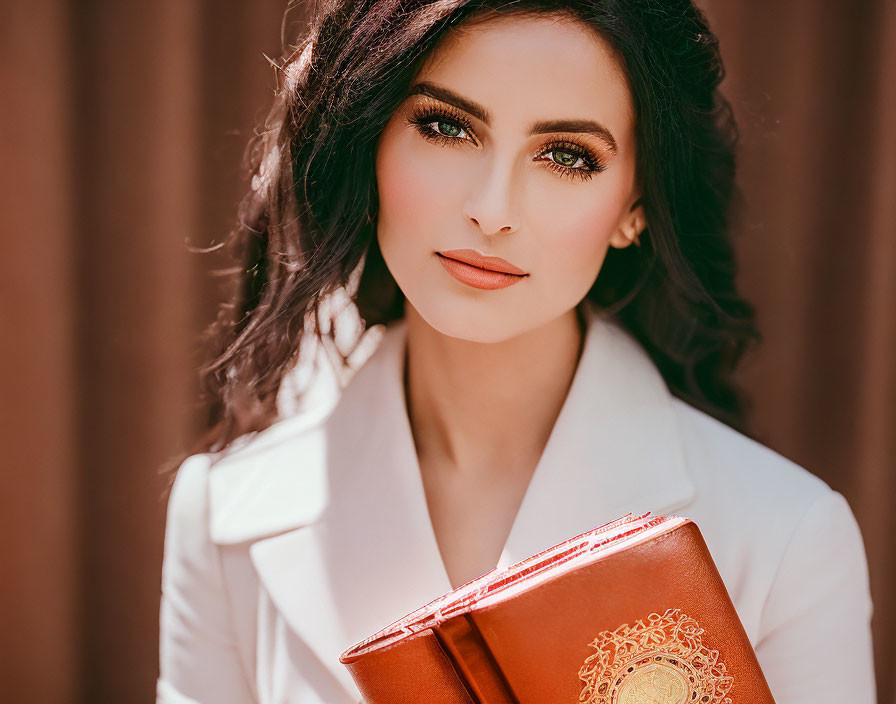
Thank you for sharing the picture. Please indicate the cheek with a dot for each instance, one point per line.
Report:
(574, 228)
(414, 207)
(410, 199)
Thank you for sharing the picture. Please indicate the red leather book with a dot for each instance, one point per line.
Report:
(631, 612)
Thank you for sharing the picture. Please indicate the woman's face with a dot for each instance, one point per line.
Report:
(476, 158)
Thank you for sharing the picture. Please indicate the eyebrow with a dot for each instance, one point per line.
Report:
(482, 113)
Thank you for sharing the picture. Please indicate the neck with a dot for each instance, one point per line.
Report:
(488, 407)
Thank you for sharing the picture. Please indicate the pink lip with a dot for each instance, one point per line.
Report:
(475, 276)
(483, 261)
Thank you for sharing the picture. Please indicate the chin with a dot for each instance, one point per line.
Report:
(457, 321)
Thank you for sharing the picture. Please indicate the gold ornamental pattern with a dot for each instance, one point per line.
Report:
(663, 661)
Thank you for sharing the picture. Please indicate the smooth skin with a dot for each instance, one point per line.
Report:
(487, 371)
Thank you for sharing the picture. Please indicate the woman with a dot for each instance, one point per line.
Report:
(527, 204)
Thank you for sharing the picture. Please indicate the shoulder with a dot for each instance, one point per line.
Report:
(190, 564)
(187, 513)
(792, 555)
(738, 469)
(756, 488)
(274, 480)
(268, 482)
(777, 530)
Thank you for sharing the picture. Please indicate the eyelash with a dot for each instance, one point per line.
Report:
(422, 118)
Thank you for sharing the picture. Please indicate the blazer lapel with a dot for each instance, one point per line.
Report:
(361, 551)
(614, 449)
(371, 555)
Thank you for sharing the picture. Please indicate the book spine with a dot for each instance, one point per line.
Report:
(471, 657)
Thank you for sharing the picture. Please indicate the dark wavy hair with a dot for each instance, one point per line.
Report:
(307, 226)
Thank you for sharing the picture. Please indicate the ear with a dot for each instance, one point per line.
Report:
(630, 227)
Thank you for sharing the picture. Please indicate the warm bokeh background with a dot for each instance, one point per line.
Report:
(123, 125)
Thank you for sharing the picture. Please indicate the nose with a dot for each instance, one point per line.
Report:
(490, 205)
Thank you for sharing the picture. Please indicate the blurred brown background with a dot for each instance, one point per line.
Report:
(123, 124)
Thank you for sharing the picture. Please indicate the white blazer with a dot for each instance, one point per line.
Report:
(314, 533)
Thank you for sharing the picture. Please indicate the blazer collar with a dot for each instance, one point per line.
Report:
(353, 547)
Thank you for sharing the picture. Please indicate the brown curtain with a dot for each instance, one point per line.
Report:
(814, 87)
(122, 129)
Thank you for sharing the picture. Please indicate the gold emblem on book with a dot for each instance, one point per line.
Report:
(663, 661)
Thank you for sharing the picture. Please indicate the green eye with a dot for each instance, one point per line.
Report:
(441, 127)
(573, 161)
(451, 131)
(564, 158)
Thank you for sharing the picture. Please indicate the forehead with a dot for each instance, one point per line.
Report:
(524, 68)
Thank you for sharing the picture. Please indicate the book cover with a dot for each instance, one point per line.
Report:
(631, 612)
